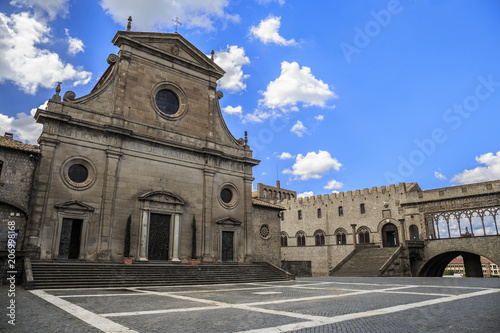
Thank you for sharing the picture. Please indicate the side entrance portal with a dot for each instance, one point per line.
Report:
(71, 235)
(159, 236)
(390, 236)
(227, 245)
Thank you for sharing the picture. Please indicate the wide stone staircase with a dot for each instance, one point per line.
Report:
(366, 261)
(50, 275)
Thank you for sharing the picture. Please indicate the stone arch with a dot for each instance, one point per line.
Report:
(319, 237)
(284, 239)
(340, 236)
(301, 238)
(364, 235)
(414, 233)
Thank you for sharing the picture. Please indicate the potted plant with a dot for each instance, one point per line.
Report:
(194, 258)
(126, 246)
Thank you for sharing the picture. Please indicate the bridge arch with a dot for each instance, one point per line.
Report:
(432, 261)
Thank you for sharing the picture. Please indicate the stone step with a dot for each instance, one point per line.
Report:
(79, 275)
(366, 262)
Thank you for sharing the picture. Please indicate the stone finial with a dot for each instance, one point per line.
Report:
(246, 138)
(212, 57)
(56, 96)
(129, 24)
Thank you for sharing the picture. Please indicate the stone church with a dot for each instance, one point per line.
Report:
(148, 142)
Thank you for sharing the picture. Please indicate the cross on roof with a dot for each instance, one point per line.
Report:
(176, 22)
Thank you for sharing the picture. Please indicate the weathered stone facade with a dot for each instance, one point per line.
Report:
(131, 149)
(18, 162)
(382, 216)
(266, 231)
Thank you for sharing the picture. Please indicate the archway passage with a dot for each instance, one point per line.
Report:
(390, 237)
(436, 266)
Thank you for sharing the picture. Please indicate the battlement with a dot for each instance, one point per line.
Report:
(393, 189)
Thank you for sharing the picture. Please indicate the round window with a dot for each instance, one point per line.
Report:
(78, 173)
(265, 233)
(226, 195)
(167, 101)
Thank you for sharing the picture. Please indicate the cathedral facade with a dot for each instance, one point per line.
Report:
(148, 142)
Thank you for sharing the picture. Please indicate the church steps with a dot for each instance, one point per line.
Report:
(93, 275)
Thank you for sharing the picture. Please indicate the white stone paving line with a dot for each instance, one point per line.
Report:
(89, 317)
(351, 316)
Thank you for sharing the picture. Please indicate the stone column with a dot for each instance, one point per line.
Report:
(206, 227)
(143, 255)
(403, 232)
(472, 265)
(175, 250)
(353, 234)
(248, 235)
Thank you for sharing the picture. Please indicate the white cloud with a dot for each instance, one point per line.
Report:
(439, 175)
(313, 165)
(267, 32)
(319, 117)
(305, 194)
(491, 170)
(51, 8)
(265, 2)
(157, 15)
(285, 156)
(296, 85)
(231, 60)
(333, 185)
(233, 110)
(75, 45)
(298, 129)
(24, 126)
(26, 65)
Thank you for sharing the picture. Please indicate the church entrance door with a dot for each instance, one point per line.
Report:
(227, 245)
(71, 235)
(159, 235)
(390, 236)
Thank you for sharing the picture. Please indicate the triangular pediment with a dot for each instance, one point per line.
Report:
(74, 205)
(228, 221)
(170, 46)
(163, 197)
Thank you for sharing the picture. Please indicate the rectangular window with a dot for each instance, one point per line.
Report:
(341, 211)
(362, 208)
(319, 213)
(282, 216)
(300, 215)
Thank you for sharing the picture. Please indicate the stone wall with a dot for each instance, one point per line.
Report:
(266, 234)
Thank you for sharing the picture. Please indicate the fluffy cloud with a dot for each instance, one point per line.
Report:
(267, 32)
(333, 185)
(157, 15)
(296, 85)
(233, 110)
(298, 129)
(313, 165)
(231, 60)
(285, 156)
(319, 117)
(26, 65)
(305, 194)
(265, 2)
(491, 170)
(49, 8)
(439, 175)
(75, 45)
(24, 126)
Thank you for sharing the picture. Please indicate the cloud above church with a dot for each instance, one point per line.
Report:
(158, 15)
(24, 126)
(267, 32)
(490, 170)
(25, 63)
(232, 60)
(44, 8)
(296, 85)
(313, 165)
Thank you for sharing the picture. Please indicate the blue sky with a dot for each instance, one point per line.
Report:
(335, 95)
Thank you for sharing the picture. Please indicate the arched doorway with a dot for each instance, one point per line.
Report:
(390, 237)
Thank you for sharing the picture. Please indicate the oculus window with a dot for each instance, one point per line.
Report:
(167, 101)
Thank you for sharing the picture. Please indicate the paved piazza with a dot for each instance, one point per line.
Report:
(304, 305)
